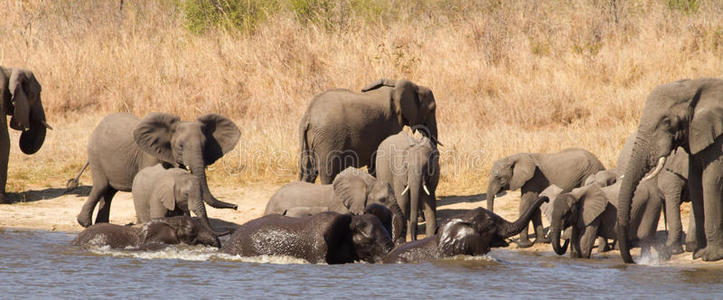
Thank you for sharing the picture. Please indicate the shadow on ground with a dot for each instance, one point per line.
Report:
(45, 194)
(454, 199)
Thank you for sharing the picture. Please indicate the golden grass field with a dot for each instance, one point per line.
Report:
(508, 76)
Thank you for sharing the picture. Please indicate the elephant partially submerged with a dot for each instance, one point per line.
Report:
(121, 145)
(471, 233)
(341, 128)
(688, 114)
(20, 95)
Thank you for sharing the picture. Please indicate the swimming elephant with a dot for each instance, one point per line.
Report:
(121, 145)
(20, 95)
(351, 192)
(411, 166)
(341, 128)
(151, 235)
(327, 237)
(533, 172)
(471, 233)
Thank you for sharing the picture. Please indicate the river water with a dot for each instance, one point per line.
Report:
(43, 264)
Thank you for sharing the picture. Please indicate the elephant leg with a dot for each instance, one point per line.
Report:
(690, 241)
(695, 190)
(524, 241)
(527, 199)
(587, 240)
(712, 184)
(103, 215)
(672, 187)
(602, 245)
(100, 186)
(4, 157)
(430, 208)
(575, 249)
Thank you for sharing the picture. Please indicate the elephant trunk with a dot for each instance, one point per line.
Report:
(199, 209)
(399, 232)
(415, 187)
(492, 190)
(637, 167)
(559, 209)
(510, 229)
(197, 166)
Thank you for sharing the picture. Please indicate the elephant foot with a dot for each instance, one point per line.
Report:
(690, 247)
(545, 240)
(675, 248)
(4, 199)
(709, 253)
(524, 243)
(84, 220)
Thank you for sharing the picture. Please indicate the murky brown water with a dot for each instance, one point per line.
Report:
(43, 264)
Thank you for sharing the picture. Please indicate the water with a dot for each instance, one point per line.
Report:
(43, 264)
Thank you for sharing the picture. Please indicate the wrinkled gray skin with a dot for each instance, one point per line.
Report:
(160, 192)
(121, 145)
(20, 95)
(326, 237)
(150, 235)
(411, 164)
(342, 128)
(687, 114)
(533, 172)
(591, 212)
(471, 233)
(673, 183)
(603, 178)
(351, 192)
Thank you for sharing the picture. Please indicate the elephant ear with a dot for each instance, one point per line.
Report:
(523, 168)
(377, 84)
(406, 102)
(21, 105)
(551, 192)
(707, 123)
(594, 203)
(32, 139)
(222, 135)
(677, 163)
(153, 135)
(165, 192)
(351, 190)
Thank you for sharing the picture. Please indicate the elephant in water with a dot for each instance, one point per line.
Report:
(327, 237)
(151, 235)
(533, 172)
(121, 145)
(20, 95)
(351, 192)
(688, 114)
(411, 166)
(342, 128)
(471, 233)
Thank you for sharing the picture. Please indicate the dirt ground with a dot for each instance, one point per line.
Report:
(53, 209)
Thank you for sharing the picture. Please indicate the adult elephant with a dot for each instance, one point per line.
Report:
(689, 114)
(471, 233)
(352, 191)
(154, 233)
(533, 172)
(121, 145)
(342, 128)
(326, 237)
(20, 95)
(411, 166)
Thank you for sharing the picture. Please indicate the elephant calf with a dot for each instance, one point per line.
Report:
(158, 232)
(327, 237)
(472, 233)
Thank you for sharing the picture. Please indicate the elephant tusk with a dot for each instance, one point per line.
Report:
(45, 124)
(406, 189)
(426, 190)
(658, 168)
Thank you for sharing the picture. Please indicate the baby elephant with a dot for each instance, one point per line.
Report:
(472, 233)
(326, 237)
(159, 192)
(158, 232)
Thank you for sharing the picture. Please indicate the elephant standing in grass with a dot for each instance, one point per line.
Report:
(533, 172)
(411, 166)
(20, 95)
(121, 145)
(342, 128)
(688, 114)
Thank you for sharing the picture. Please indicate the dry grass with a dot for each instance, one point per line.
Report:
(513, 77)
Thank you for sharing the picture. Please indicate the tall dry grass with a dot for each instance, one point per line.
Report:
(508, 77)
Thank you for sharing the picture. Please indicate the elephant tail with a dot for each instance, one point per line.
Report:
(307, 170)
(73, 183)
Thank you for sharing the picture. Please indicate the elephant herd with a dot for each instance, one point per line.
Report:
(354, 214)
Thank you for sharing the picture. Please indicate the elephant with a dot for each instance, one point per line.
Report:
(327, 237)
(533, 172)
(411, 167)
(341, 128)
(474, 233)
(160, 192)
(20, 94)
(673, 182)
(602, 178)
(686, 113)
(151, 235)
(121, 145)
(351, 192)
(590, 211)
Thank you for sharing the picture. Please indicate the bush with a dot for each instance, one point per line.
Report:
(244, 15)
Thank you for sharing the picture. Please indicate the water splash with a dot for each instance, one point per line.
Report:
(194, 253)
